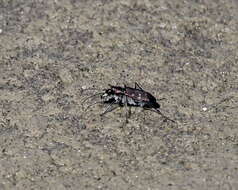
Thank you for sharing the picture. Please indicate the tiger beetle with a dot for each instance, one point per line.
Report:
(117, 96)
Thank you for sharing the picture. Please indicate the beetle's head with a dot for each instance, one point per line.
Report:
(107, 96)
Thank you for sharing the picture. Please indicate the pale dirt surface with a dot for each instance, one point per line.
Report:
(53, 54)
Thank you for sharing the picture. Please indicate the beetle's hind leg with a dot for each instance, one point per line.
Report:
(166, 118)
(159, 112)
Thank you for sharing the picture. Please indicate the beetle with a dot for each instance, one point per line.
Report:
(128, 97)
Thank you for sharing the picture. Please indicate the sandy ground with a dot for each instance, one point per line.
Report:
(54, 54)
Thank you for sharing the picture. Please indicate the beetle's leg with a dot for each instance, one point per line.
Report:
(109, 108)
(137, 86)
(128, 110)
(101, 93)
(159, 112)
(99, 102)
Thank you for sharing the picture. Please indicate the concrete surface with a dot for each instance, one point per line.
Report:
(54, 54)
